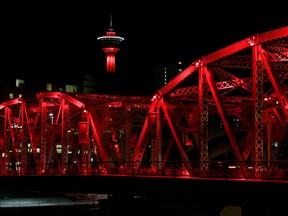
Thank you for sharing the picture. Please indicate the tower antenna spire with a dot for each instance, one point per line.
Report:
(111, 22)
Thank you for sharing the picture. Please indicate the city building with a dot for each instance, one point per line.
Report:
(166, 72)
(27, 88)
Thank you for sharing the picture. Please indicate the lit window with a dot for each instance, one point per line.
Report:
(49, 87)
(70, 88)
(59, 149)
(11, 96)
(20, 83)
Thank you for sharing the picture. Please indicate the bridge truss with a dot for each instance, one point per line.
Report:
(224, 114)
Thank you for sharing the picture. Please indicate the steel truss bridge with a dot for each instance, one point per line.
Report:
(224, 115)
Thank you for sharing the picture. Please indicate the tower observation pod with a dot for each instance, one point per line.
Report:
(110, 45)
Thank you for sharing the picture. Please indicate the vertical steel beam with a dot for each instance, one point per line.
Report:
(155, 142)
(257, 91)
(23, 138)
(127, 142)
(43, 136)
(203, 103)
(64, 135)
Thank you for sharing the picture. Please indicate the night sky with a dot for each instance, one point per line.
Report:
(44, 40)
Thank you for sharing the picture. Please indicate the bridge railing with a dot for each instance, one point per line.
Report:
(272, 170)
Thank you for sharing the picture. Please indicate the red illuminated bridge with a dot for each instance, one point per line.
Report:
(225, 116)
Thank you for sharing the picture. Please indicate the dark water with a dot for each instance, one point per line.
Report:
(166, 206)
(269, 201)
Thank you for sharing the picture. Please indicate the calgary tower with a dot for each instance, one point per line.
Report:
(110, 45)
